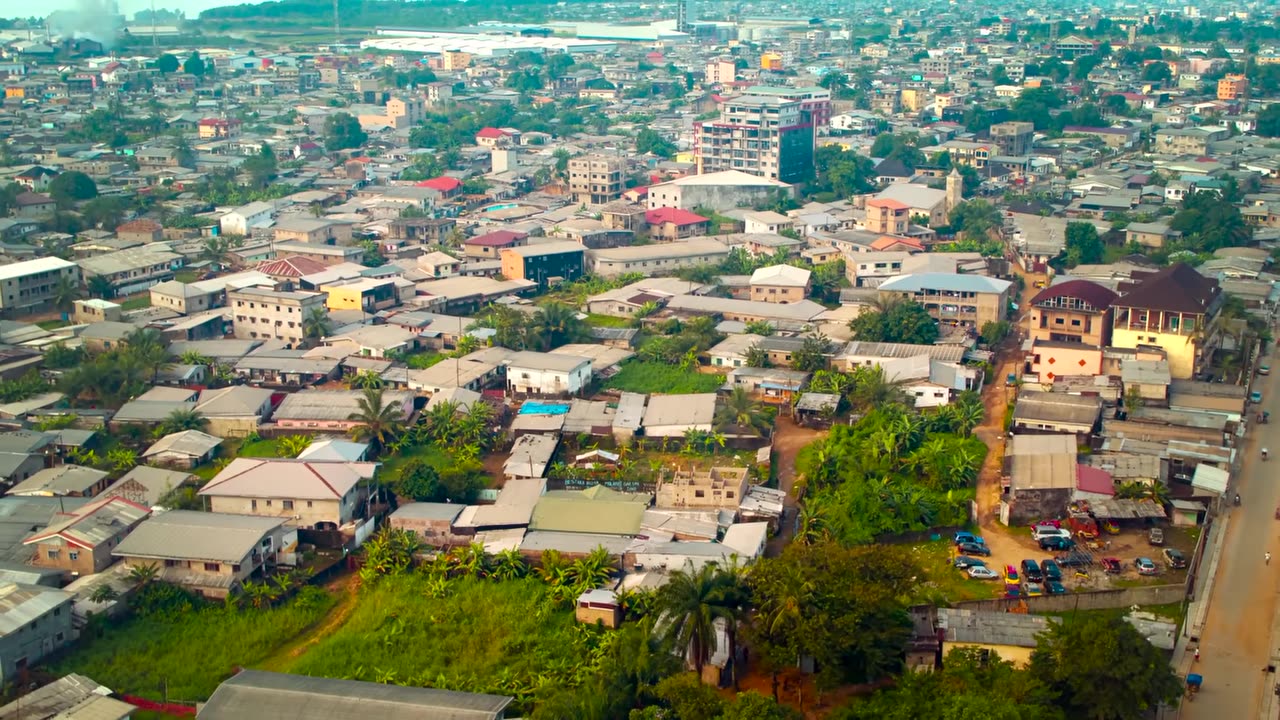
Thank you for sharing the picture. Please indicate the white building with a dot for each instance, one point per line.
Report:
(243, 220)
(537, 373)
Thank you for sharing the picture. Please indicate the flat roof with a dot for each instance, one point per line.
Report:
(13, 271)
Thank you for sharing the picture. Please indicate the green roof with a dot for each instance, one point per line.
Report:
(595, 510)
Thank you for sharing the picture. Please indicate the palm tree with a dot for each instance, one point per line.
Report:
(216, 250)
(873, 389)
(143, 575)
(317, 325)
(193, 357)
(741, 411)
(757, 357)
(365, 380)
(100, 287)
(183, 419)
(291, 446)
(378, 423)
(149, 349)
(556, 324)
(690, 603)
(65, 294)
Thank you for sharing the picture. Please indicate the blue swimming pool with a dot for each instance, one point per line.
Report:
(535, 407)
(500, 206)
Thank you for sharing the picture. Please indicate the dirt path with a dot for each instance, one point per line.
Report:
(788, 440)
(348, 587)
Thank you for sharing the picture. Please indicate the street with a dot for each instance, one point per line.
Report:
(1234, 645)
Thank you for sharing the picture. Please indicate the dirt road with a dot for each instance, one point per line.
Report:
(788, 440)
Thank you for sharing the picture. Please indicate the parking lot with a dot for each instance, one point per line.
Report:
(1012, 546)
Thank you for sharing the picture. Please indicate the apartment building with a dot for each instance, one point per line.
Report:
(1233, 87)
(1075, 311)
(657, 259)
(888, 216)
(597, 179)
(1175, 309)
(258, 313)
(721, 71)
(963, 300)
(814, 100)
(1188, 141)
(543, 262)
(763, 135)
(133, 270)
(320, 231)
(1013, 138)
(28, 285)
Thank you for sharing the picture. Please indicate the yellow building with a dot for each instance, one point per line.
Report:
(1010, 635)
(12, 92)
(771, 61)
(1176, 310)
(456, 60)
(914, 99)
(367, 294)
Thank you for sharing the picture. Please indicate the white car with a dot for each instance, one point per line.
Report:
(1047, 531)
(982, 573)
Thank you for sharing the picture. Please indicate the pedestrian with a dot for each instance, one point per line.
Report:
(1197, 658)
(1268, 558)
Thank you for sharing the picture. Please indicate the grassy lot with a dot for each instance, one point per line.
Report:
(423, 360)
(657, 377)
(435, 456)
(480, 634)
(191, 652)
(942, 583)
(137, 302)
(186, 276)
(608, 321)
(260, 448)
(52, 324)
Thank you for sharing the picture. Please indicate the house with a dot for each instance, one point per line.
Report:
(260, 695)
(208, 553)
(780, 284)
(133, 270)
(718, 488)
(491, 137)
(279, 369)
(423, 231)
(1041, 473)
(668, 223)
(431, 522)
(36, 178)
(330, 410)
(544, 263)
(1175, 309)
(772, 385)
(80, 542)
(599, 606)
(147, 486)
(141, 231)
(597, 510)
(965, 300)
(672, 415)
(536, 373)
(1037, 411)
(35, 622)
(30, 284)
(325, 254)
(312, 231)
(242, 221)
(530, 456)
(490, 245)
(33, 205)
(259, 313)
(70, 697)
(18, 466)
(320, 495)
(63, 481)
(1152, 234)
(235, 411)
(1011, 636)
(656, 259)
(185, 449)
(1073, 311)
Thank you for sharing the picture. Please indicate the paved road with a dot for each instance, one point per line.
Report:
(1234, 646)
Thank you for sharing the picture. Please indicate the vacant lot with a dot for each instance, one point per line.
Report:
(656, 377)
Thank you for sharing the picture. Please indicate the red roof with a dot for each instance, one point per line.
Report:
(219, 122)
(1096, 295)
(1094, 480)
(498, 238)
(888, 203)
(673, 215)
(887, 241)
(442, 183)
(142, 225)
(491, 132)
(292, 266)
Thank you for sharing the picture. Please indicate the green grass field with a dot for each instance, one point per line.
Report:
(656, 377)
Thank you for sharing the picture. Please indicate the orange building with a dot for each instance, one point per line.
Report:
(888, 216)
(771, 61)
(1233, 87)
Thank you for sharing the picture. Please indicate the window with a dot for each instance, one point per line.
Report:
(288, 504)
(211, 567)
(53, 554)
(253, 504)
(73, 555)
(309, 503)
(268, 503)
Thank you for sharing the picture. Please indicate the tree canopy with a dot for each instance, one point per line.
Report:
(72, 186)
(342, 131)
(899, 321)
(1084, 247)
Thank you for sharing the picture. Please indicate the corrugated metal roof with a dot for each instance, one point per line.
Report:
(288, 479)
(191, 535)
(21, 604)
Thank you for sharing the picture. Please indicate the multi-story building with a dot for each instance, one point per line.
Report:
(211, 128)
(656, 259)
(133, 270)
(35, 621)
(721, 71)
(814, 100)
(597, 179)
(30, 284)
(964, 300)
(81, 540)
(1188, 141)
(544, 261)
(1233, 87)
(886, 216)
(1075, 311)
(1013, 138)
(1175, 309)
(307, 494)
(763, 135)
(258, 313)
(717, 488)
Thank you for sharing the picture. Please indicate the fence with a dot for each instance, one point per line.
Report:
(1089, 600)
(167, 708)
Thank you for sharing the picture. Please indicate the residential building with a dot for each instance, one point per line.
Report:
(147, 486)
(258, 313)
(719, 191)
(330, 410)
(1151, 235)
(209, 553)
(141, 231)
(780, 284)
(597, 179)
(313, 231)
(767, 221)
(327, 254)
(245, 219)
(816, 101)
(133, 270)
(1175, 309)
(541, 263)
(63, 481)
(183, 449)
(370, 295)
(1075, 311)
(1013, 138)
(762, 135)
(721, 71)
(235, 411)
(1233, 87)
(431, 522)
(291, 370)
(80, 542)
(260, 695)
(219, 128)
(965, 300)
(718, 488)
(598, 510)
(888, 217)
(35, 622)
(306, 494)
(1187, 141)
(536, 373)
(667, 224)
(656, 259)
(673, 415)
(29, 285)
(71, 697)
(490, 245)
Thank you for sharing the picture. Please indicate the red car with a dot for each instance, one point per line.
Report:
(1111, 566)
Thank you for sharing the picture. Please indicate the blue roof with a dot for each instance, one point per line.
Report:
(946, 281)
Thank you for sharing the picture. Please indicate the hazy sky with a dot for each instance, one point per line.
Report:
(128, 7)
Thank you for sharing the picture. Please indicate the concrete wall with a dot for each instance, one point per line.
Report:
(1091, 600)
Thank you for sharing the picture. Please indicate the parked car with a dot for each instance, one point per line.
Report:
(1031, 571)
(973, 549)
(1053, 587)
(1255, 396)
(1034, 589)
(1040, 532)
(1264, 369)
(968, 537)
(1046, 523)
(1146, 566)
(964, 562)
(1012, 592)
(1074, 558)
(1174, 558)
(1057, 543)
(1111, 566)
(1050, 569)
(1155, 536)
(979, 572)
(1011, 574)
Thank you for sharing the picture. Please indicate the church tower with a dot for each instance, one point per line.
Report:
(955, 189)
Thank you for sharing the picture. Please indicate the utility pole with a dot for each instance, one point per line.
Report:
(337, 37)
(155, 43)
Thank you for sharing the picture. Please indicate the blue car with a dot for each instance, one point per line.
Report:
(968, 537)
(1255, 397)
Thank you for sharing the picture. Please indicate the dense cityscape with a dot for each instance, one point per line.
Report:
(641, 361)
